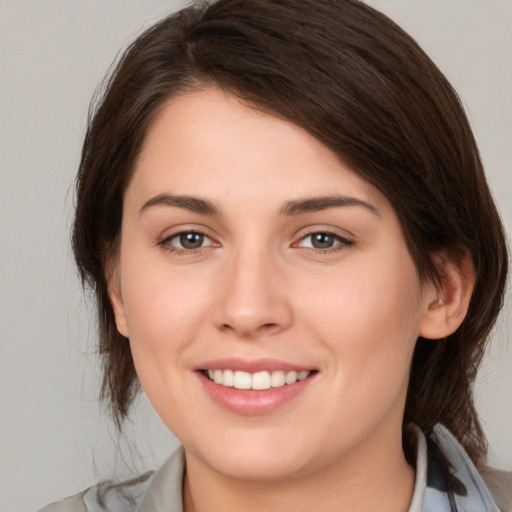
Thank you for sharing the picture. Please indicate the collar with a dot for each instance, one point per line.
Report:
(430, 491)
(162, 492)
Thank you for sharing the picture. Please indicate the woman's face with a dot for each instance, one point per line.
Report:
(251, 253)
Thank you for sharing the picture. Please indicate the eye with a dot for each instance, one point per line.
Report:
(187, 241)
(323, 240)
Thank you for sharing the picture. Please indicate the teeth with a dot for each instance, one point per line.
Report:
(242, 380)
(291, 377)
(256, 381)
(228, 378)
(278, 379)
(302, 375)
(261, 380)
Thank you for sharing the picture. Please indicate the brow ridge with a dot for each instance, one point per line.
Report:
(315, 204)
(194, 204)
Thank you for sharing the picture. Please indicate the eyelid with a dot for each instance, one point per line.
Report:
(341, 241)
(165, 240)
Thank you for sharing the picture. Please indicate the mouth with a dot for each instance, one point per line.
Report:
(255, 387)
(258, 381)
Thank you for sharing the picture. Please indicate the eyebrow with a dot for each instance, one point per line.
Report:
(291, 208)
(316, 204)
(194, 204)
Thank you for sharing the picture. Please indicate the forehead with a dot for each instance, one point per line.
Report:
(207, 142)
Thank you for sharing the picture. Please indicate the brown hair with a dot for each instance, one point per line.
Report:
(363, 87)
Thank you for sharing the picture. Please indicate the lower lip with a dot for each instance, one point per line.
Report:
(251, 402)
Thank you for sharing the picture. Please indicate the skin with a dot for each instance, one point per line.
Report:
(258, 288)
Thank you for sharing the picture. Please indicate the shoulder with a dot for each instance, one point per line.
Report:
(114, 497)
(499, 484)
(489, 488)
(139, 494)
(72, 504)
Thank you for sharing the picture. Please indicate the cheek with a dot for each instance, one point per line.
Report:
(165, 316)
(368, 318)
(164, 309)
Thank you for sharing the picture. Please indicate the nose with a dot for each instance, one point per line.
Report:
(253, 298)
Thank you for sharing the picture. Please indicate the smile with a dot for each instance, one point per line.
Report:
(255, 387)
(255, 381)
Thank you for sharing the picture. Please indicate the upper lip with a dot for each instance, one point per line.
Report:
(251, 365)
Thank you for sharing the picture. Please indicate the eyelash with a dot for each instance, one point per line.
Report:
(167, 245)
(340, 242)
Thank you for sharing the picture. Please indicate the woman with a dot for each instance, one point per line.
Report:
(284, 217)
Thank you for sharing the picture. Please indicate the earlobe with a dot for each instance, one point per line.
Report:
(115, 295)
(447, 302)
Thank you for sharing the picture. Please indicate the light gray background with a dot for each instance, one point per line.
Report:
(54, 440)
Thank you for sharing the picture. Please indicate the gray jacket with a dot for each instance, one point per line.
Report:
(435, 490)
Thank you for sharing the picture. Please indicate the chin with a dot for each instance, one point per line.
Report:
(254, 458)
(264, 467)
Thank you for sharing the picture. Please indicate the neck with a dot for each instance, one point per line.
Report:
(379, 479)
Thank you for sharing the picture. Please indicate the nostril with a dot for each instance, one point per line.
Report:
(250, 318)
(267, 326)
(250, 331)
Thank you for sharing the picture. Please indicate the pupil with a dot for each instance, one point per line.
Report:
(322, 240)
(191, 240)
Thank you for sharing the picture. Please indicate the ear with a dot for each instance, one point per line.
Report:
(114, 292)
(447, 302)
